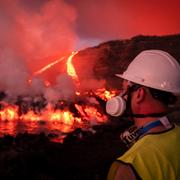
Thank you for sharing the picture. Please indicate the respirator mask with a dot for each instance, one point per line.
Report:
(116, 106)
(119, 105)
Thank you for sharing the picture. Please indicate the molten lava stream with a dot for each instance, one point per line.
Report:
(59, 121)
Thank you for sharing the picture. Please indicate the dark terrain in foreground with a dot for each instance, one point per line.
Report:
(83, 155)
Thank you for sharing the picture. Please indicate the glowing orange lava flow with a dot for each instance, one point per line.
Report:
(70, 68)
(48, 66)
(10, 112)
(88, 113)
(105, 94)
(63, 119)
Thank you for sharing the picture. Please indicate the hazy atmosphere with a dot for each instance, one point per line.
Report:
(33, 32)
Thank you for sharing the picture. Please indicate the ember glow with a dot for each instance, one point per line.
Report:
(70, 68)
(61, 120)
(105, 94)
(47, 83)
(59, 117)
(48, 66)
(10, 113)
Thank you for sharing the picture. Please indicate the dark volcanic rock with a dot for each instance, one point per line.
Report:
(88, 156)
(109, 58)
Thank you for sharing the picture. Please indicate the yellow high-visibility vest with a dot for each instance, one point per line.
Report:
(154, 157)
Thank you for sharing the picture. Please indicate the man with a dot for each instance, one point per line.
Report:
(151, 85)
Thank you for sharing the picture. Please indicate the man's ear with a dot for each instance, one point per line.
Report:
(140, 95)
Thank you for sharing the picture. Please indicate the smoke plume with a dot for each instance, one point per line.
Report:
(39, 31)
(13, 73)
(32, 31)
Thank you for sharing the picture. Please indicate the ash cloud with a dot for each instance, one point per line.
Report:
(37, 30)
(32, 31)
(13, 73)
(65, 85)
(37, 86)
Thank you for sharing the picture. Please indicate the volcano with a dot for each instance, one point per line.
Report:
(71, 107)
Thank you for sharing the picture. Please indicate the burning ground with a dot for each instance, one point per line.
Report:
(55, 127)
(61, 107)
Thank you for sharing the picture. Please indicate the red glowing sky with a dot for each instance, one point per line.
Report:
(33, 33)
(93, 20)
(120, 19)
(39, 29)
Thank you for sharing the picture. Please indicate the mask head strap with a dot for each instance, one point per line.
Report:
(131, 88)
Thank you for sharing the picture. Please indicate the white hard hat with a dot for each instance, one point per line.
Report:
(156, 69)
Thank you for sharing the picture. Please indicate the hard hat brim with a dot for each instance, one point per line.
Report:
(120, 76)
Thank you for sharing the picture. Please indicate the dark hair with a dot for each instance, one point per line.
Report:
(166, 98)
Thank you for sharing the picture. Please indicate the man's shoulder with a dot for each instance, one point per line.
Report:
(122, 170)
(154, 144)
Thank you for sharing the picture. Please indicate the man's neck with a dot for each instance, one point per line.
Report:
(147, 109)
